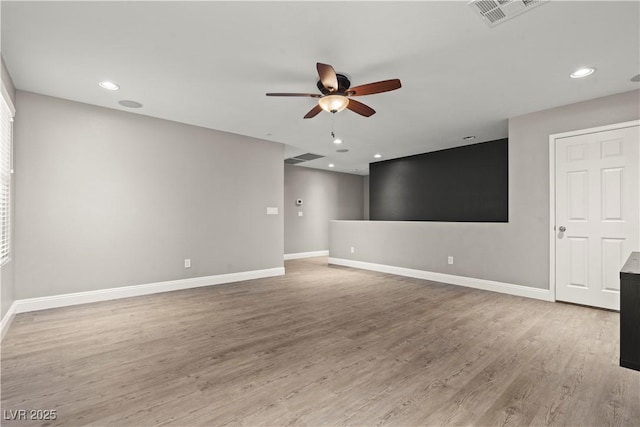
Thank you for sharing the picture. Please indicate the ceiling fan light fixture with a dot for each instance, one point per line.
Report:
(333, 103)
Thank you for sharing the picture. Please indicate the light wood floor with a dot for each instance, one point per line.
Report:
(322, 346)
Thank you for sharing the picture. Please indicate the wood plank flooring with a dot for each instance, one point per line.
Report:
(321, 346)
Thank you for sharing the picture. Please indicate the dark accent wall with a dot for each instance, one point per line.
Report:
(463, 184)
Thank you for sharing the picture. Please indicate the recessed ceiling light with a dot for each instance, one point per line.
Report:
(331, 165)
(130, 104)
(109, 85)
(377, 156)
(337, 141)
(468, 138)
(582, 72)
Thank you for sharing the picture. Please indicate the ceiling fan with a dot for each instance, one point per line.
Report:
(337, 93)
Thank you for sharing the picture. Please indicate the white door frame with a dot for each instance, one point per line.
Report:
(552, 190)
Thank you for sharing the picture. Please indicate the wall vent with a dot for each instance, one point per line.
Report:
(302, 158)
(494, 12)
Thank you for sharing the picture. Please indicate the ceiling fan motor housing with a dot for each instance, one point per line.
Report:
(343, 84)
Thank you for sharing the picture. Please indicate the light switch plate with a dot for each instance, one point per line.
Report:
(300, 214)
(272, 211)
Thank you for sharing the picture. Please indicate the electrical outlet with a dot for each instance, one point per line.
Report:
(450, 260)
(187, 263)
(353, 249)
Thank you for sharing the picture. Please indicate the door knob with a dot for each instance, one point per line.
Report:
(562, 228)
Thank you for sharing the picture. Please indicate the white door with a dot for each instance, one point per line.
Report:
(597, 214)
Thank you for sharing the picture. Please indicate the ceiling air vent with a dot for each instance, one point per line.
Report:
(494, 12)
(308, 156)
(302, 158)
(292, 161)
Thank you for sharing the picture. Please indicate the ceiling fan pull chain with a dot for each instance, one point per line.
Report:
(334, 139)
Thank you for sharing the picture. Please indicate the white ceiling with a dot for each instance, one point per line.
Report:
(211, 63)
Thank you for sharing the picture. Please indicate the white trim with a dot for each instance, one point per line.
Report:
(596, 129)
(64, 300)
(7, 320)
(552, 215)
(469, 282)
(552, 189)
(306, 254)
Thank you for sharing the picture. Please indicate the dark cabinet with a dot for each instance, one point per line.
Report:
(630, 313)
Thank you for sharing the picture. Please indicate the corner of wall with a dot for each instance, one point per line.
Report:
(7, 81)
(365, 183)
(6, 271)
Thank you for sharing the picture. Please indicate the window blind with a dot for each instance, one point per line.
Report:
(6, 136)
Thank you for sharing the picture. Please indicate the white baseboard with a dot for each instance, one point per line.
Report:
(306, 254)
(7, 320)
(64, 300)
(487, 285)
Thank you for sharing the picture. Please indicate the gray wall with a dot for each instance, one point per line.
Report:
(326, 196)
(516, 252)
(107, 198)
(7, 271)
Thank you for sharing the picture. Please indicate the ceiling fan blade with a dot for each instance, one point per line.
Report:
(312, 95)
(377, 87)
(360, 108)
(314, 112)
(327, 76)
